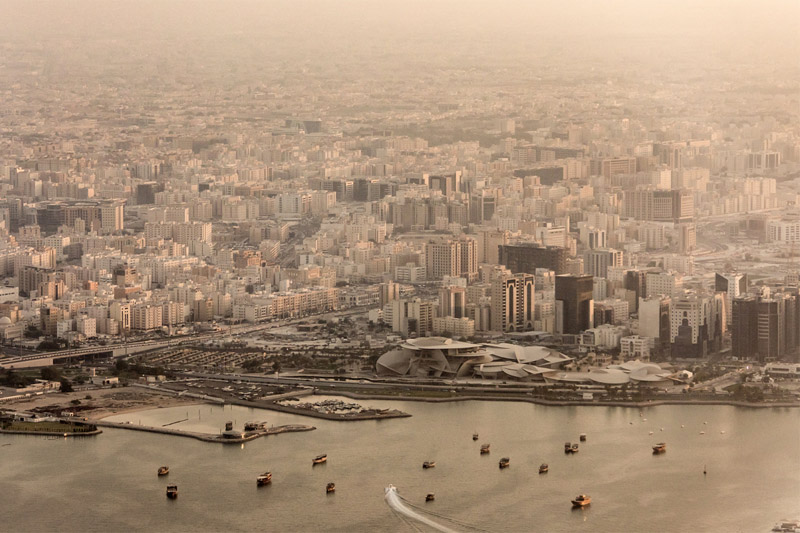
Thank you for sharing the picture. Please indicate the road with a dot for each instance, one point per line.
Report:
(366, 385)
(720, 382)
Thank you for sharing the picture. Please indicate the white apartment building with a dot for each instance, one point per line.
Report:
(784, 230)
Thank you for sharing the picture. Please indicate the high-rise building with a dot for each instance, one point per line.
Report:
(696, 324)
(575, 295)
(412, 317)
(770, 332)
(650, 204)
(469, 257)
(636, 280)
(458, 257)
(528, 257)
(596, 262)
(733, 285)
(442, 258)
(146, 192)
(654, 319)
(744, 327)
(687, 237)
(489, 242)
(453, 301)
(513, 303)
(448, 184)
(663, 283)
(766, 327)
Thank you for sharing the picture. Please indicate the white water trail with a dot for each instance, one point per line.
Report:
(394, 501)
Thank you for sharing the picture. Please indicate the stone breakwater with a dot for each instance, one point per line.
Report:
(205, 437)
(368, 414)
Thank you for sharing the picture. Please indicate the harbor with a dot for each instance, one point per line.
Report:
(615, 467)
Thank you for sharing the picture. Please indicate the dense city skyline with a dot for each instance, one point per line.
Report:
(243, 202)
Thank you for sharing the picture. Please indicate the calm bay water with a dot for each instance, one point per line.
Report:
(109, 482)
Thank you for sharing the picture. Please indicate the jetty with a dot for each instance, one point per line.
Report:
(207, 437)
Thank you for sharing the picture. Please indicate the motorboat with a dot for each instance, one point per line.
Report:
(330, 487)
(661, 447)
(163, 471)
(787, 526)
(319, 459)
(430, 497)
(264, 479)
(504, 462)
(583, 437)
(581, 500)
(574, 448)
(172, 491)
(543, 468)
(567, 447)
(485, 448)
(428, 464)
(475, 436)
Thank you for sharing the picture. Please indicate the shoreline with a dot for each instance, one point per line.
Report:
(564, 403)
(152, 399)
(51, 433)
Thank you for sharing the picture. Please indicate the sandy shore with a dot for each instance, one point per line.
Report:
(103, 402)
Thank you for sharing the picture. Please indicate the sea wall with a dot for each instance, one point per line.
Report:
(586, 403)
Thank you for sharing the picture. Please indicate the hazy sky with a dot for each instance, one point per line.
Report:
(770, 24)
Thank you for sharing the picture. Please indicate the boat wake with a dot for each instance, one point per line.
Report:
(406, 509)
